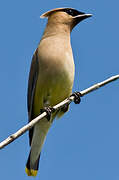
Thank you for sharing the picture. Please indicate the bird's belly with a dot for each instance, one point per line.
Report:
(57, 85)
(55, 77)
(54, 84)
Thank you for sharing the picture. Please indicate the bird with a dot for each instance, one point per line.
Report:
(51, 77)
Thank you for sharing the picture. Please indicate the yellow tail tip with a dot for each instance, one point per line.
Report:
(31, 172)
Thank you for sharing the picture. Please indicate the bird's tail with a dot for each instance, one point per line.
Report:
(31, 170)
(39, 134)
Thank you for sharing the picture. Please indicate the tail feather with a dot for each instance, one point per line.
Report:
(39, 134)
(31, 170)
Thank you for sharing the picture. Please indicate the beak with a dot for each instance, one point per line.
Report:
(81, 17)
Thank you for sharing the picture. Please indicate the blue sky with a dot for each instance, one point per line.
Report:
(84, 144)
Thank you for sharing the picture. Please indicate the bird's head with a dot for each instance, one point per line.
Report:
(67, 16)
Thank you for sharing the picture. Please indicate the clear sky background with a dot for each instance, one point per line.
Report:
(84, 144)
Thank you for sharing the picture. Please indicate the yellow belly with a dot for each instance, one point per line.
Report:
(55, 78)
(50, 91)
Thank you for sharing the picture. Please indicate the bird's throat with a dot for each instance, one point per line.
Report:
(58, 30)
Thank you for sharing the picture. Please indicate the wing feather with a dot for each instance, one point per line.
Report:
(33, 75)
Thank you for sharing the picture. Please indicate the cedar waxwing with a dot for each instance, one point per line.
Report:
(51, 76)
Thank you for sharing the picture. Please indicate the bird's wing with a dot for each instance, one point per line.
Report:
(33, 75)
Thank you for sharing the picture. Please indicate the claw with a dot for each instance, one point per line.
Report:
(49, 111)
(77, 98)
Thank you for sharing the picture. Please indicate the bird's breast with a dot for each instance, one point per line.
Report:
(56, 70)
(55, 57)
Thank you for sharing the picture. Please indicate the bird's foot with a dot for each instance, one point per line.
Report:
(65, 108)
(77, 97)
(49, 111)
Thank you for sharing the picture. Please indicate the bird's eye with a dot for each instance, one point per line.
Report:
(69, 11)
(72, 12)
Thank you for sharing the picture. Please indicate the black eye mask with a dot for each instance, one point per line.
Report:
(72, 12)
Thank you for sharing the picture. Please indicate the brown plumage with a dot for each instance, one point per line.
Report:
(51, 76)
